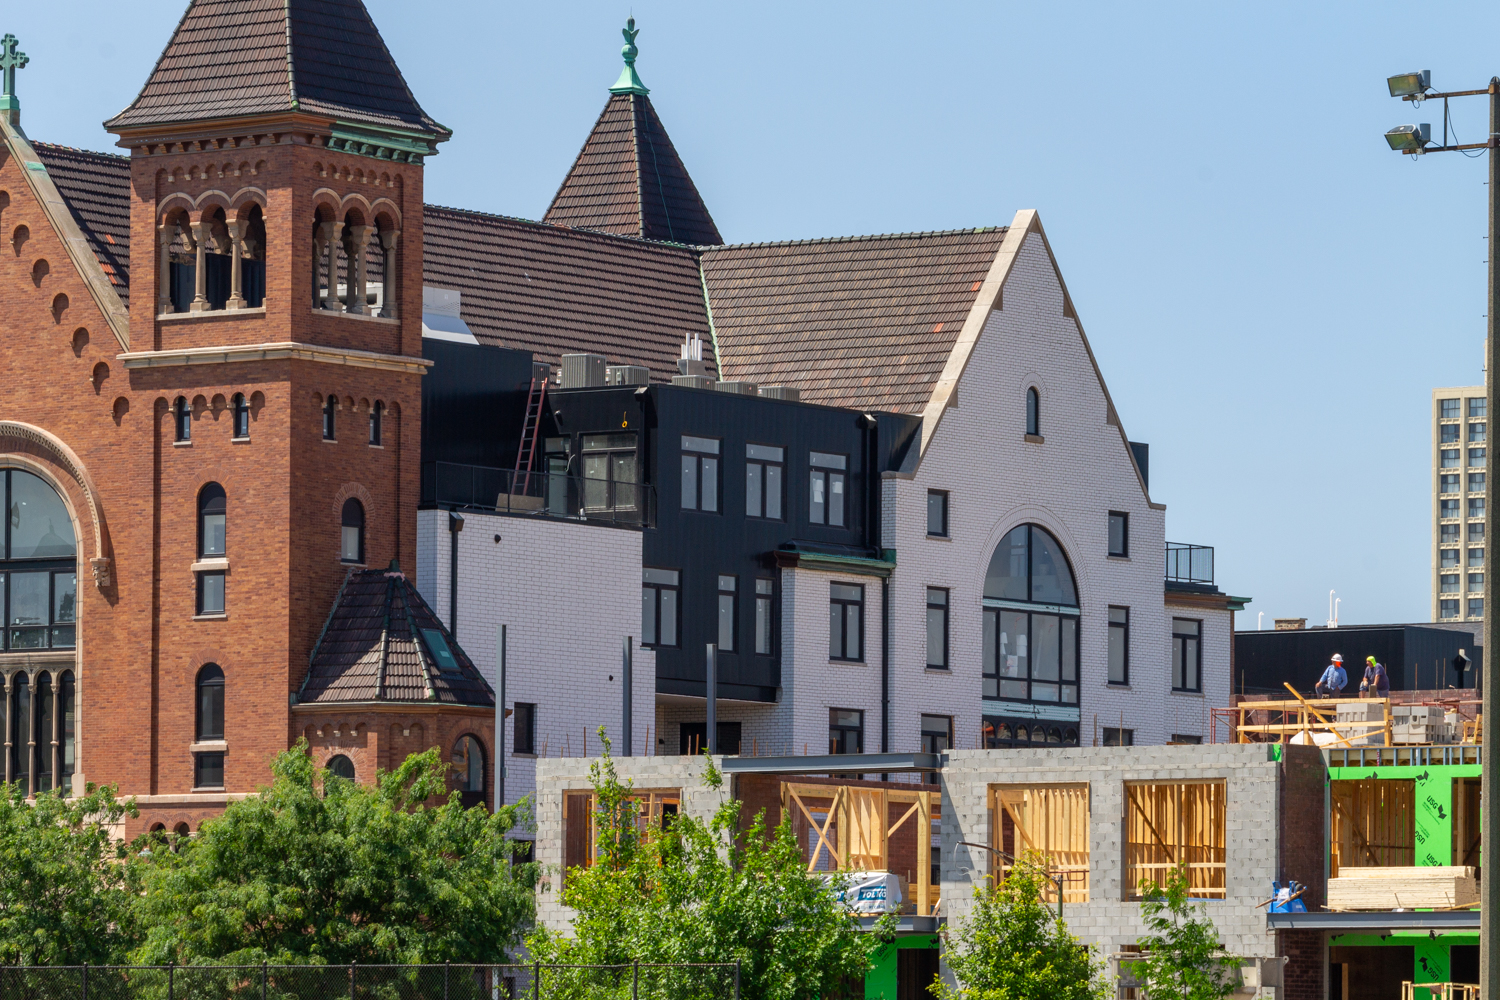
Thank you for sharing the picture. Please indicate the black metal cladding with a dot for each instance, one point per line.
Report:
(473, 403)
(1416, 657)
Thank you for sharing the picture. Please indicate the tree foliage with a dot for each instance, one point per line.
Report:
(65, 893)
(351, 874)
(1185, 960)
(1013, 946)
(699, 891)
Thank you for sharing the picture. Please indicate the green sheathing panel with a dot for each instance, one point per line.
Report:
(1434, 798)
(880, 981)
(1432, 958)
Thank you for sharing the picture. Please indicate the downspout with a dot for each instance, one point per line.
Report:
(871, 428)
(455, 525)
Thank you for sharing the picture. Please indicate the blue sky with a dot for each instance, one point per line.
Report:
(1271, 294)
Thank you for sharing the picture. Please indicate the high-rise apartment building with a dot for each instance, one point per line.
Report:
(1459, 447)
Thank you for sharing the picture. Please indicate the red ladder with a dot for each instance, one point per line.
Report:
(535, 398)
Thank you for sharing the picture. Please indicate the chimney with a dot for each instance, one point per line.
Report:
(1290, 624)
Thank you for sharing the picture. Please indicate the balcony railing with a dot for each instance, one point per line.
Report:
(562, 495)
(1190, 563)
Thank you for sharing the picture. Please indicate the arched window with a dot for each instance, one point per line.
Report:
(68, 727)
(252, 247)
(1033, 411)
(330, 406)
(182, 419)
(376, 413)
(210, 703)
(352, 536)
(44, 706)
(241, 416)
(212, 510)
(38, 565)
(1030, 649)
(20, 730)
(468, 771)
(341, 767)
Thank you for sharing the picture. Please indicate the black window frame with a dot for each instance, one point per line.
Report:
(352, 506)
(699, 456)
(1033, 411)
(943, 608)
(1186, 739)
(659, 589)
(182, 420)
(1120, 628)
(765, 604)
(1178, 646)
(55, 631)
(205, 765)
(210, 581)
(1121, 737)
(844, 603)
(209, 698)
(992, 649)
(523, 739)
(336, 769)
(213, 501)
(1123, 517)
(999, 731)
(941, 497)
(731, 590)
(839, 730)
(330, 417)
(828, 469)
(377, 418)
(240, 410)
(757, 472)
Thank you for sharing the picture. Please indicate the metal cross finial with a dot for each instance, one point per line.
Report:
(10, 61)
(629, 51)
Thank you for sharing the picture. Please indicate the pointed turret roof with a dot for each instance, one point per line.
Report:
(234, 58)
(628, 179)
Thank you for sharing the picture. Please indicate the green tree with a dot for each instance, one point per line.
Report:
(65, 891)
(1185, 960)
(702, 892)
(1013, 946)
(354, 874)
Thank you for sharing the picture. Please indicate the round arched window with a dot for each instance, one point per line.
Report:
(352, 536)
(468, 769)
(38, 562)
(341, 767)
(1030, 621)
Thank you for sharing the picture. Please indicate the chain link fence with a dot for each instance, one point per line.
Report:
(637, 981)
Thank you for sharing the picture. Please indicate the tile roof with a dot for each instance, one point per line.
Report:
(250, 57)
(96, 187)
(865, 321)
(629, 180)
(554, 290)
(371, 649)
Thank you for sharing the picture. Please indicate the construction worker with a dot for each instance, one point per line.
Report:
(1333, 679)
(1377, 682)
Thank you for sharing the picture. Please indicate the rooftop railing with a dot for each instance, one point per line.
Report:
(1190, 563)
(566, 496)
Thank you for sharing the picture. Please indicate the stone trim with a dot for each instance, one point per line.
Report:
(286, 350)
(65, 457)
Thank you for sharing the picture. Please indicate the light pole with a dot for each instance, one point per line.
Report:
(1416, 140)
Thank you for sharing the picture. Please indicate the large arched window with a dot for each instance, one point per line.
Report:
(210, 703)
(352, 532)
(1033, 411)
(38, 565)
(341, 766)
(468, 771)
(1030, 620)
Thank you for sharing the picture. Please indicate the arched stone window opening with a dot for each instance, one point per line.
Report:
(341, 766)
(247, 239)
(377, 417)
(384, 264)
(177, 268)
(467, 773)
(210, 706)
(327, 237)
(38, 566)
(330, 417)
(354, 276)
(241, 412)
(43, 735)
(20, 731)
(67, 730)
(1031, 617)
(1033, 411)
(215, 261)
(182, 419)
(213, 510)
(352, 532)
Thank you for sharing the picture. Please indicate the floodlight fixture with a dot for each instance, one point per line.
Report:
(1410, 84)
(1409, 138)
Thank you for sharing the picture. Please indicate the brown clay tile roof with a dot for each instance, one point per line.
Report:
(553, 290)
(629, 180)
(375, 647)
(96, 187)
(250, 57)
(865, 321)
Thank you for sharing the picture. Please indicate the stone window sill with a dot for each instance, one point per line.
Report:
(208, 788)
(182, 444)
(1113, 558)
(190, 317)
(209, 746)
(210, 618)
(939, 538)
(1036, 439)
(210, 566)
(239, 440)
(389, 320)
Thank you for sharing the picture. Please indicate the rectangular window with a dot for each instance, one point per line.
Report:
(610, 472)
(763, 476)
(1476, 458)
(1051, 819)
(1449, 532)
(1449, 458)
(827, 497)
(1448, 583)
(937, 733)
(40, 609)
(1476, 406)
(1448, 409)
(937, 628)
(1448, 557)
(1172, 823)
(376, 412)
(1187, 654)
(525, 727)
(1476, 558)
(1476, 433)
(1030, 657)
(1476, 607)
(728, 585)
(763, 616)
(937, 513)
(846, 731)
(700, 473)
(1448, 433)
(1119, 737)
(1448, 608)
(1119, 533)
(1476, 531)
(64, 609)
(659, 590)
(1447, 508)
(211, 593)
(208, 770)
(1119, 645)
(1186, 739)
(1448, 483)
(1476, 583)
(1476, 506)
(1476, 482)
(846, 619)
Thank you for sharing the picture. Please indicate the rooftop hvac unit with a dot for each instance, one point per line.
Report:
(583, 371)
(787, 392)
(627, 375)
(743, 388)
(693, 381)
(541, 371)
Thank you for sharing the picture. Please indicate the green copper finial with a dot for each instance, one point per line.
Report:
(629, 82)
(10, 61)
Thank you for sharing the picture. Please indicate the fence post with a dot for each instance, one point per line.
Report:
(445, 979)
(635, 982)
(265, 971)
(536, 982)
(351, 981)
(85, 981)
(737, 979)
(171, 967)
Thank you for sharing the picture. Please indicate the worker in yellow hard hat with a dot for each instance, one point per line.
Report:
(1377, 683)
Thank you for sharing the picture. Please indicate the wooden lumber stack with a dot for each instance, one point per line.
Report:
(1430, 887)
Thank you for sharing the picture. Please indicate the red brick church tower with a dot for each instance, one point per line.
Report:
(244, 441)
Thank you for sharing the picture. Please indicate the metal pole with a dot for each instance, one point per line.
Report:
(455, 525)
(171, 966)
(500, 721)
(536, 982)
(351, 981)
(86, 982)
(445, 978)
(1489, 894)
(627, 672)
(737, 979)
(635, 981)
(711, 737)
(265, 972)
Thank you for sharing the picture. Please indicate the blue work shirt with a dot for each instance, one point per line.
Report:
(1334, 678)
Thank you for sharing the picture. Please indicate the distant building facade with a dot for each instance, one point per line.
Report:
(1460, 449)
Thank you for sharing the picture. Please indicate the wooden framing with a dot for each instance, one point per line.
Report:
(1303, 716)
(1168, 823)
(856, 828)
(581, 820)
(1374, 823)
(1051, 819)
